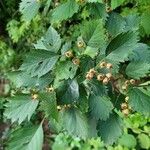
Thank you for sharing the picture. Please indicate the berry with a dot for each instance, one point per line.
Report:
(76, 61)
(69, 54)
(100, 77)
(124, 87)
(103, 64)
(34, 96)
(106, 80)
(109, 66)
(92, 71)
(58, 107)
(132, 81)
(51, 89)
(80, 44)
(109, 75)
(89, 76)
(108, 9)
(127, 98)
(124, 106)
(126, 112)
(127, 82)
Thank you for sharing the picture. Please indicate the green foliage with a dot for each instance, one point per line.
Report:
(29, 8)
(29, 137)
(20, 107)
(64, 11)
(81, 67)
(139, 101)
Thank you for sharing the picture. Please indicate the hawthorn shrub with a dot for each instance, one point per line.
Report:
(86, 73)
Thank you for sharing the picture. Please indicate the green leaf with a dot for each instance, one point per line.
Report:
(127, 140)
(100, 107)
(22, 79)
(39, 62)
(75, 122)
(20, 107)
(27, 138)
(65, 70)
(98, 10)
(115, 24)
(65, 11)
(145, 21)
(93, 33)
(111, 129)
(69, 91)
(97, 88)
(138, 69)
(86, 64)
(48, 104)
(144, 141)
(29, 8)
(139, 101)
(50, 41)
(116, 3)
(120, 48)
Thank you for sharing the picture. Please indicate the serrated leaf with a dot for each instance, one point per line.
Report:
(75, 122)
(27, 138)
(50, 41)
(138, 69)
(116, 3)
(145, 21)
(100, 107)
(29, 8)
(86, 64)
(69, 91)
(127, 140)
(39, 62)
(98, 10)
(111, 129)
(65, 70)
(22, 79)
(48, 104)
(97, 88)
(139, 101)
(120, 48)
(65, 11)
(115, 24)
(93, 33)
(141, 53)
(20, 107)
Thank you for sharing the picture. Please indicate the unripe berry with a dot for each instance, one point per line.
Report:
(109, 66)
(58, 107)
(132, 81)
(69, 54)
(124, 87)
(80, 44)
(92, 71)
(108, 9)
(76, 61)
(109, 75)
(127, 98)
(127, 82)
(51, 89)
(126, 112)
(103, 64)
(106, 80)
(100, 77)
(34, 96)
(89, 76)
(124, 106)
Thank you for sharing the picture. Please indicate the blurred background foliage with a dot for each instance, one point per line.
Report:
(17, 37)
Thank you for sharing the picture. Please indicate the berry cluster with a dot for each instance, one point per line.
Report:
(125, 107)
